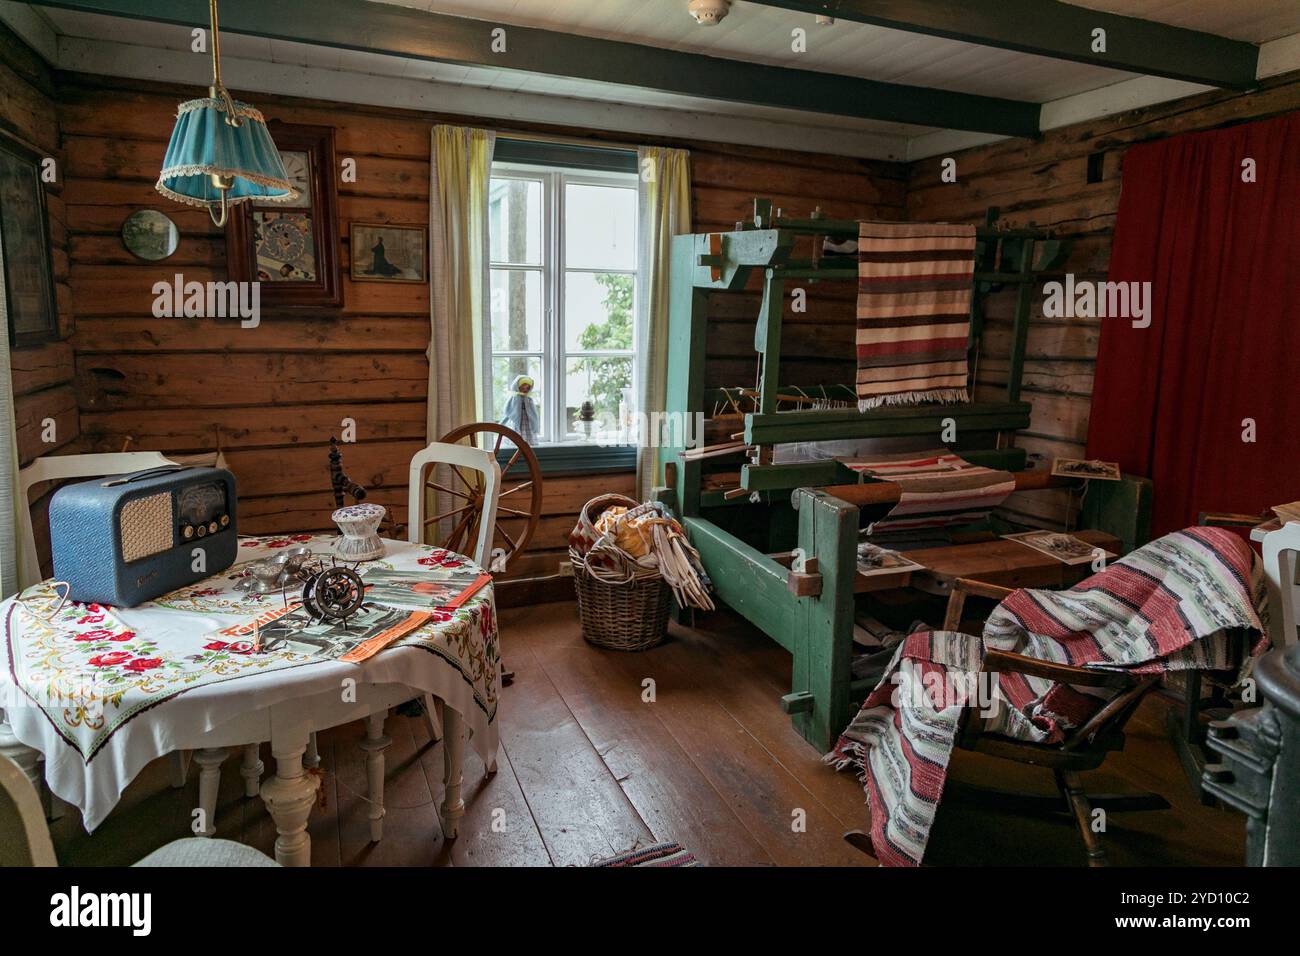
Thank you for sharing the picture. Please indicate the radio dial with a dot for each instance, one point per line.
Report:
(187, 532)
(201, 530)
(212, 527)
(225, 520)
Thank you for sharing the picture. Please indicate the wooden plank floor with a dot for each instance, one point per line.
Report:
(604, 750)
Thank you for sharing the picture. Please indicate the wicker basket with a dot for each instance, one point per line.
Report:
(628, 613)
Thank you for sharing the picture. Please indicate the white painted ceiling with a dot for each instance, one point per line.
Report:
(751, 31)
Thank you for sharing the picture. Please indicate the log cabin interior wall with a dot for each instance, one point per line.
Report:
(272, 397)
(1048, 183)
(42, 374)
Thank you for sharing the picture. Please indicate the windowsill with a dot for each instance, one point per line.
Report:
(582, 457)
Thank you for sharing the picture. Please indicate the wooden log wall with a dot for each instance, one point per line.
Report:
(1046, 183)
(273, 396)
(42, 374)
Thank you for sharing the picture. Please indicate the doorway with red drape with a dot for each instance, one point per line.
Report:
(1220, 362)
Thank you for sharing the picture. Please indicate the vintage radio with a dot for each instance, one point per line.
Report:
(126, 539)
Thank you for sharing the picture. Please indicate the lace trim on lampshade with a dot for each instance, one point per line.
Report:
(209, 102)
(269, 181)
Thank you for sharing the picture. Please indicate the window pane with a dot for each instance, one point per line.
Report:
(515, 221)
(516, 311)
(599, 227)
(607, 382)
(598, 311)
(504, 371)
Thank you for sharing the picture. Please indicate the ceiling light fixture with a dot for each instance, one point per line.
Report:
(221, 152)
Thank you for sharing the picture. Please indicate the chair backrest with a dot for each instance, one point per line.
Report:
(24, 838)
(57, 468)
(456, 456)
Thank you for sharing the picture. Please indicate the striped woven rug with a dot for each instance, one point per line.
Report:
(914, 290)
(937, 488)
(661, 854)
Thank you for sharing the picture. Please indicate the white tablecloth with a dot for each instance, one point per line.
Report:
(101, 692)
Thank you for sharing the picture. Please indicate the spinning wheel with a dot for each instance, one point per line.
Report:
(519, 505)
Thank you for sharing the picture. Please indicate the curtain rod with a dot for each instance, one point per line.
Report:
(570, 141)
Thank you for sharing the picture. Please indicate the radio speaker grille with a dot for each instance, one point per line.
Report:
(146, 526)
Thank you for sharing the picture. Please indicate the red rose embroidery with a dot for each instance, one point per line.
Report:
(240, 647)
(302, 537)
(97, 635)
(216, 646)
(123, 637)
(279, 543)
(111, 659)
(452, 564)
(144, 664)
(91, 619)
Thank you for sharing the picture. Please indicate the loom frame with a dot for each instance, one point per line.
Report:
(817, 628)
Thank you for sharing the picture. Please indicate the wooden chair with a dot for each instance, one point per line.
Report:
(477, 470)
(1084, 748)
(25, 839)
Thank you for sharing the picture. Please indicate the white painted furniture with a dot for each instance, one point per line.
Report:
(1281, 546)
(284, 706)
(442, 724)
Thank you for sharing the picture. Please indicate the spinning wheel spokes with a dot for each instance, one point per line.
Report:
(515, 523)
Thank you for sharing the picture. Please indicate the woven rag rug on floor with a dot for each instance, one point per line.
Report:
(661, 854)
(1173, 604)
(937, 488)
(914, 291)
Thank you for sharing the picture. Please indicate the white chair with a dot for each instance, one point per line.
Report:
(25, 840)
(442, 723)
(60, 468)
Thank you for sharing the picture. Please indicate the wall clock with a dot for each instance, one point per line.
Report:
(292, 247)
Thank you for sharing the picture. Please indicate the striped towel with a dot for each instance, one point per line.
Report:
(914, 290)
(938, 489)
(1174, 604)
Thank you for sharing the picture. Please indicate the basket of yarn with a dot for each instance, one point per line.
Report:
(629, 560)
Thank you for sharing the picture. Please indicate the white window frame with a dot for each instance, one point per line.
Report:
(553, 272)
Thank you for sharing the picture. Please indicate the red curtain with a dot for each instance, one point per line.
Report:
(1223, 260)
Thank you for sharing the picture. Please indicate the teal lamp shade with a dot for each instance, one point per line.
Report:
(204, 145)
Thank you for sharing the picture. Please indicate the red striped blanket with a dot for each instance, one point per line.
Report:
(1174, 604)
(914, 289)
(937, 488)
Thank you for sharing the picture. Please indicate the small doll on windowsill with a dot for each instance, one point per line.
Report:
(521, 409)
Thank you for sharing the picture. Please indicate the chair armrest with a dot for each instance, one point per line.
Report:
(996, 661)
(957, 598)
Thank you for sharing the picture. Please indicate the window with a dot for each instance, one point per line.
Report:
(563, 290)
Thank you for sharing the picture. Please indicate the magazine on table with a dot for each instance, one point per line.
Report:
(293, 628)
(1064, 547)
(424, 589)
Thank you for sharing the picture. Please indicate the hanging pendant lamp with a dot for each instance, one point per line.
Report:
(221, 153)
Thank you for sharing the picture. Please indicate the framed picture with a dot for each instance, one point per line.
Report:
(25, 247)
(292, 247)
(384, 252)
(1081, 468)
(1066, 548)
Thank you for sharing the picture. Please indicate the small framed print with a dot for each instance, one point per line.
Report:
(1065, 548)
(292, 247)
(1081, 468)
(25, 248)
(385, 252)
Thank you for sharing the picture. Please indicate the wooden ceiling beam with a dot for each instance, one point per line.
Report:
(1058, 30)
(417, 34)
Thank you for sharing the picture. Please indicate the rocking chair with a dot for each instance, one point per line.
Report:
(1084, 748)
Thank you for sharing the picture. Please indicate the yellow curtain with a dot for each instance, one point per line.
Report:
(665, 211)
(458, 275)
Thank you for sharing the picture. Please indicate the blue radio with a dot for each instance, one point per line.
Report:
(125, 539)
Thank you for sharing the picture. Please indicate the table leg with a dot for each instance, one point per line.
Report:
(180, 765)
(289, 796)
(453, 756)
(312, 760)
(209, 760)
(374, 744)
(250, 769)
(28, 758)
(432, 723)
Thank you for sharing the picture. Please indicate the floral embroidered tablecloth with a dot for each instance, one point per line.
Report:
(100, 691)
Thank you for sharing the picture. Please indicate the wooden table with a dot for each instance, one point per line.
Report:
(98, 692)
(1002, 562)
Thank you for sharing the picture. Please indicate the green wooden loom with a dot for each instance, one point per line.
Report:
(745, 535)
